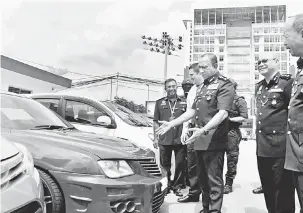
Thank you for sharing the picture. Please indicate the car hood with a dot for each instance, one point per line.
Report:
(8, 149)
(101, 146)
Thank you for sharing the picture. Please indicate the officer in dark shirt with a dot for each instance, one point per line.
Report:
(210, 110)
(167, 109)
(294, 147)
(236, 116)
(272, 99)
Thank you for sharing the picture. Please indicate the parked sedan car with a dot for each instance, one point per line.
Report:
(19, 179)
(102, 117)
(82, 172)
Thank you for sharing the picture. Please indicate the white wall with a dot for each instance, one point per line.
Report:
(9, 78)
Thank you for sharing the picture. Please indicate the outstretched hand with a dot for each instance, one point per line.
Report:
(197, 132)
(165, 127)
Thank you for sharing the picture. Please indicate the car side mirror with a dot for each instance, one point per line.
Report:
(104, 120)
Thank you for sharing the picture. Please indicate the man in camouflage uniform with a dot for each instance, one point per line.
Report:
(236, 116)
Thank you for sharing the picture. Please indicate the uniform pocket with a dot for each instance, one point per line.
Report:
(275, 135)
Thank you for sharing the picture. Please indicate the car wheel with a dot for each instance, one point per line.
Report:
(53, 197)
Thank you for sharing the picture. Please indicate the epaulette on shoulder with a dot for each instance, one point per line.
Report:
(260, 82)
(160, 99)
(223, 78)
(285, 76)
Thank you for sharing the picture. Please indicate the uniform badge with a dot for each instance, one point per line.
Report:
(208, 97)
(274, 102)
(259, 91)
(213, 86)
(163, 103)
(275, 90)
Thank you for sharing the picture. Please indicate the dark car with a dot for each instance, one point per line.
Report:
(82, 172)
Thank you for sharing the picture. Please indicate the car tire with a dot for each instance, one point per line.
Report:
(54, 199)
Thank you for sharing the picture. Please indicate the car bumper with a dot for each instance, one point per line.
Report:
(96, 194)
(25, 195)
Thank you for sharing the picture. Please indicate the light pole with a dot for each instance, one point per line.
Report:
(164, 45)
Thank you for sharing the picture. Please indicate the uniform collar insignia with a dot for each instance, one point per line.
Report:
(211, 79)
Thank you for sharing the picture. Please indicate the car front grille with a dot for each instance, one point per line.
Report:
(11, 170)
(150, 166)
(33, 207)
(158, 200)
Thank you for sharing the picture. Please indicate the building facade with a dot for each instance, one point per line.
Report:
(238, 35)
(22, 78)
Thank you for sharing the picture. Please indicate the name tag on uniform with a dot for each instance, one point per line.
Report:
(275, 90)
(213, 86)
(182, 102)
(163, 103)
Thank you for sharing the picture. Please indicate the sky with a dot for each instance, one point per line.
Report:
(102, 37)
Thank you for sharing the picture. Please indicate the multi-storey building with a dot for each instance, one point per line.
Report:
(238, 36)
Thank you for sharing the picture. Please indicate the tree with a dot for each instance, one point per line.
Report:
(130, 105)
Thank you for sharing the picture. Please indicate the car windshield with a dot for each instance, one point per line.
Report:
(20, 113)
(127, 115)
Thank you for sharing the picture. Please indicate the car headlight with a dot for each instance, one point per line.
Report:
(115, 168)
(28, 160)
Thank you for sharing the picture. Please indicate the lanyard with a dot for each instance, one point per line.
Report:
(172, 110)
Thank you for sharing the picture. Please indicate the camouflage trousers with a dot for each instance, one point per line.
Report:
(232, 152)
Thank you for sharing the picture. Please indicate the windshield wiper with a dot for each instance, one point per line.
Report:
(51, 127)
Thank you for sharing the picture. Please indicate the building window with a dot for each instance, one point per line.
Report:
(212, 40)
(283, 56)
(272, 38)
(256, 76)
(197, 32)
(221, 40)
(211, 32)
(196, 49)
(256, 48)
(266, 39)
(202, 40)
(277, 38)
(256, 57)
(195, 58)
(221, 67)
(277, 47)
(266, 29)
(284, 66)
(221, 49)
(266, 48)
(19, 90)
(206, 40)
(221, 58)
(272, 48)
(196, 40)
(274, 30)
(283, 48)
(256, 39)
(212, 49)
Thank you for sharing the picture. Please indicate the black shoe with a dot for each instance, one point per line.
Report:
(228, 189)
(203, 211)
(188, 198)
(258, 190)
(178, 192)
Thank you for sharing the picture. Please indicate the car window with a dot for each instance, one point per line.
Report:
(82, 113)
(52, 104)
(127, 115)
(24, 113)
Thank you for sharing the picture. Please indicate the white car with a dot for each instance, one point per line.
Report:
(101, 117)
(21, 186)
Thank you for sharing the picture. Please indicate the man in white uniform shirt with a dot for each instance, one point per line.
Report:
(194, 191)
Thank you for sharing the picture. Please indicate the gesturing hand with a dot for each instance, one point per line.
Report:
(165, 127)
(197, 132)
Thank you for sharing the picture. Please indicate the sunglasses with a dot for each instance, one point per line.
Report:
(264, 61)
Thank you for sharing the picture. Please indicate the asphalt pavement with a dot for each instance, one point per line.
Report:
(241, 200)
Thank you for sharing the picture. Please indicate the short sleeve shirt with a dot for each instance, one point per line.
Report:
(163, 112)
(215, 94)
